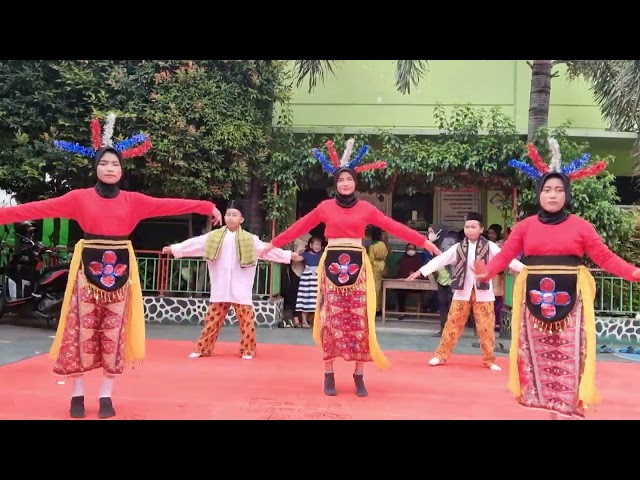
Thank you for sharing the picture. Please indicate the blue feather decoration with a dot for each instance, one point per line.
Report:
(326, 164)
(74, 148)
(525, 168)
(130, 142)
(358, 158)
(576, 164)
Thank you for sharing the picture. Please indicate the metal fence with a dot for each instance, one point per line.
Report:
(162, 275)
(614, 295)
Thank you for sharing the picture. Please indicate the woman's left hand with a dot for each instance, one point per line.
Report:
(267, 249)
(430, 247)
(636, 274)
(217, 216)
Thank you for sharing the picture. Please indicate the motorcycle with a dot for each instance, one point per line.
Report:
(27, 288)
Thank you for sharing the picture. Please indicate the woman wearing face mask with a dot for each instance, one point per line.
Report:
(408, 263)
(102, 321)
(345, 314)
(553, 348)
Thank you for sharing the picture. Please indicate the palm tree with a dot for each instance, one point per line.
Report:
(410, 72)
(616, 88)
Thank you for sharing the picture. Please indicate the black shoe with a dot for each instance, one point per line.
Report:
(106, 408)
(76, 410)
(361, 390)
(330, 384)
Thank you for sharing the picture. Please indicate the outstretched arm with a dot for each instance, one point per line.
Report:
(298, 228)
(150, 207)
(275, 255)
(193, 247)
(65, 206)
(510, 250)
(439, 262)
(401, 231)
(516, 265)
(605, 258)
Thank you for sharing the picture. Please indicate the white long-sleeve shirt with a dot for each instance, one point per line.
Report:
(229, 281)
(449, 258)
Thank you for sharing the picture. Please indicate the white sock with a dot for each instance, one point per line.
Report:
(78, 387)
(106, 387)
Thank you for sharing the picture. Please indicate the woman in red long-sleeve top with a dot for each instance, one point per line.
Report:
(345, 314)
(102, 319)
(553, 348)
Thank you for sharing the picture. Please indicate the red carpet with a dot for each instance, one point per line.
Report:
(285, 382)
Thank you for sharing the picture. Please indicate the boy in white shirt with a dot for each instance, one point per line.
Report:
(468, 293)
(231, 255)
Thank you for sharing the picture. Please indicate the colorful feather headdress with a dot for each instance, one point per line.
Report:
(127, 148)
(345, 161)
(574, 171)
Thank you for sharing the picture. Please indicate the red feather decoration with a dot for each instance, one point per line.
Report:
(137, 151)
(333, 154)
(537, 161)
(96, 133)
(591, 171)
(371, 166)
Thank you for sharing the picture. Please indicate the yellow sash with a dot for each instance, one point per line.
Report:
(376, 352)
(588, 393)
(135, 326)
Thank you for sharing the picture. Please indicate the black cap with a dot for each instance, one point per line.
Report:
(474, 216)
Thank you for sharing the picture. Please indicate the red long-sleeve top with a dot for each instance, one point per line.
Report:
(343, 222)
(104, 216)
(574, 236)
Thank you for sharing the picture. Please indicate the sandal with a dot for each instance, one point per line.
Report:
(631, 350)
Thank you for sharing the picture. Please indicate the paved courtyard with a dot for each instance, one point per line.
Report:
(24, 338)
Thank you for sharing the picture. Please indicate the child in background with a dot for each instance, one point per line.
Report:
(308, 287)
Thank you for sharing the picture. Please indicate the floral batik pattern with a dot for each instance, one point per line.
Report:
(344, 316)
(550, 365)
(94, 334)
(213, 323)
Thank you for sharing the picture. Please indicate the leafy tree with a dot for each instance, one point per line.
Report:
(473, 149)
(460, 156)
(209, 121)
(616, 88)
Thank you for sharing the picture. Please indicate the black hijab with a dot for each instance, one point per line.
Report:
(561, 215)
(106, 190)
(345, 201)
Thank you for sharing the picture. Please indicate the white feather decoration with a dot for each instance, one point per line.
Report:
(556, 158)
(346, 155)
(107, 135)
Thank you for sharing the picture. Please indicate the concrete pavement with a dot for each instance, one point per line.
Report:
(25, 338)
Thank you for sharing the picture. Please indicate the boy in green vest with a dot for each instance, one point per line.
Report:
(232, 255)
